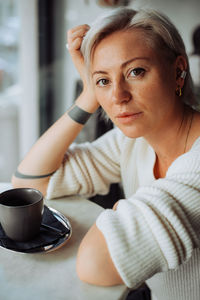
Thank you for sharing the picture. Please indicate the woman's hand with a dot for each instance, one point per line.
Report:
(115, 205)
(75, 36)
(74, 40)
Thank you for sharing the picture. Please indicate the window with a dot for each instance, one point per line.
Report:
(9, 44)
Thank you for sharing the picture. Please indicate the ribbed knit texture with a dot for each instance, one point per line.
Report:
(182, 284)
(156, 229)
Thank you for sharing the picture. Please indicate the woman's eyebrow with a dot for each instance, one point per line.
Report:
(123, 65)
(99, 72)
(133, 59)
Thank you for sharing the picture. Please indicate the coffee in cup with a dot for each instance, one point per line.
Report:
(21, 213)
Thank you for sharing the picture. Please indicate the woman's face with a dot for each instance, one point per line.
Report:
(134, 84)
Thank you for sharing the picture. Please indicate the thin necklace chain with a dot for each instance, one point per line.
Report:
(188, 132)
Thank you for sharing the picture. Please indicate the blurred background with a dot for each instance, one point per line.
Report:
(38, 81)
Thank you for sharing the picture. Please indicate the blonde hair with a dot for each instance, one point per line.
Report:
(159, 33)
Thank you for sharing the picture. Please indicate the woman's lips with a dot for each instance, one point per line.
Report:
(128, 117)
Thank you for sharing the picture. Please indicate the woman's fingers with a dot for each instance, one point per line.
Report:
(75, 36)
(83, 27)
(74, 40)
(75, 44)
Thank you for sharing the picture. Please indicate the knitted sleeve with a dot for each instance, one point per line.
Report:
(88, 168)
(157, 228)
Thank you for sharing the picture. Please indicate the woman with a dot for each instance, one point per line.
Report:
(134, 65)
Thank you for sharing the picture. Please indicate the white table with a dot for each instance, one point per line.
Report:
(52, 276)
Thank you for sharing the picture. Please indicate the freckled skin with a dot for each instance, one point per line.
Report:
(150, 91)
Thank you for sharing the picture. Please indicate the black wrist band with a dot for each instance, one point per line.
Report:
(79, 115)
(24, 176)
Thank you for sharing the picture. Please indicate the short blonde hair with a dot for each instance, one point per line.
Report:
(159, 33)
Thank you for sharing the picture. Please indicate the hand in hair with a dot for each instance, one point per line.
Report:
(74, 40)
(75, 37)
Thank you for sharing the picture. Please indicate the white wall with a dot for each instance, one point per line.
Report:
(9, 133)
(28, 76)
(19, 114)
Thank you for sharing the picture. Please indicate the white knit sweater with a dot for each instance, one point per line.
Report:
(153, 235)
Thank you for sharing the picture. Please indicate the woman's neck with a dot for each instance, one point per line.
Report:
(173, 141)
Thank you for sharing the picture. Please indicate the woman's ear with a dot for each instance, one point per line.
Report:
(181, 70)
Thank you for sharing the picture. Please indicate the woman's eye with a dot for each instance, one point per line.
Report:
(102, 82)
(136, 72)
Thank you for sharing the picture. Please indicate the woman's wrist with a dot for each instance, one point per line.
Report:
(78, 114)
(87, 101)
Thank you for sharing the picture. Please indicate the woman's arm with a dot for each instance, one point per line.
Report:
(94, 263)
(153, 231)
(47, 154)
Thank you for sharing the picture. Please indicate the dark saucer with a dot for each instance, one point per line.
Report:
(54, 232)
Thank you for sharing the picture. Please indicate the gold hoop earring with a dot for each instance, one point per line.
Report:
(179, 91)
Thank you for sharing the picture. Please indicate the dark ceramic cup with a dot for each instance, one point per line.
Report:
(21, 213)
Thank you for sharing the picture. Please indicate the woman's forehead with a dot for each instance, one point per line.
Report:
(124, 45)
(132, 33)
(121, 45)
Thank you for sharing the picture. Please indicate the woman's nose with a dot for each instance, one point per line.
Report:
(120, 93)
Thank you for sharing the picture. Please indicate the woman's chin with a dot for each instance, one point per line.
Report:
(130, 132)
